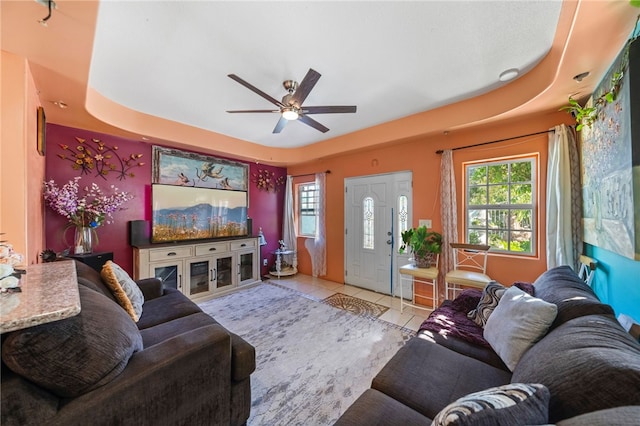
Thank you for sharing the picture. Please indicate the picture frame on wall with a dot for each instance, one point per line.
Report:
(41, 136)
(181, 168)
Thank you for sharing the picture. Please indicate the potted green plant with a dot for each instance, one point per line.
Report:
(424, 245)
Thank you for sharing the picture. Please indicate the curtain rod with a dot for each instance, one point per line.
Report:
(309, 174)
(440, 151)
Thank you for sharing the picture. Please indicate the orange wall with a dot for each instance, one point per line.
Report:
(419, 156)
(21, 208)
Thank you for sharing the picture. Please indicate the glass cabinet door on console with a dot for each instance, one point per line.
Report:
(200, 275)
(247, 267)
(223, 273)
(170, 273)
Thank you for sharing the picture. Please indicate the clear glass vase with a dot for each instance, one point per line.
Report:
(83, 240)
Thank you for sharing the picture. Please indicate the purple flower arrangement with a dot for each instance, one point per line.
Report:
(90, 209)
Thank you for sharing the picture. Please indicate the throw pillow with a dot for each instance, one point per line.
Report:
(75, 355)
(512, 404)
(517, 323)
(124, 289)
(488, 301)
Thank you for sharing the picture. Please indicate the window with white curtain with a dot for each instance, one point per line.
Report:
(368, 224)
(308, 199)
(501, 204)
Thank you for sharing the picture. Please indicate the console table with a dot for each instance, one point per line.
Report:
(95, 260)
(49, 292)
(200, 269)
(427, 276)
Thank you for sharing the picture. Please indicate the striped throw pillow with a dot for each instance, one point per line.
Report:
(512, 404)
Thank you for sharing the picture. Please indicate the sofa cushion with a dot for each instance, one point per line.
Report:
(562, 287)
(517, 323)
(619, 416)
(464, 347)
(73, 356)
(125, 290)
(515, 403)
(589, 363)
(373, 408)
(489, 299)
(171, 305)
(427, 377)
(89, 277)
(161, 332)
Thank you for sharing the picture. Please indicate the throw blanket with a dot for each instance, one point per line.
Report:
(450, 319)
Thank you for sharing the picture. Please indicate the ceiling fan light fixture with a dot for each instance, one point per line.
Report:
(290, 113)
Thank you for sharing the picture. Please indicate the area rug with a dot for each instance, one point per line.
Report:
(312, 360)
(355, 305)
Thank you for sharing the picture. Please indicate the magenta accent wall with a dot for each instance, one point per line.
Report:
(265, 208)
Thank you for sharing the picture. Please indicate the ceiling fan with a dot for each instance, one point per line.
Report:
(291, 107)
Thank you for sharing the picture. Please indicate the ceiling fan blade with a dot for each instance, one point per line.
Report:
(329, 109)
(313, 123)
(305, 87)
(280, 125)
(254, 110)
(255, 90)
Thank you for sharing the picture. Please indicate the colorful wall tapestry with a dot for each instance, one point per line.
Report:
(610, 165)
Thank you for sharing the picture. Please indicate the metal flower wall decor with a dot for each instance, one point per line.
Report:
(96, 157)
(266, 180)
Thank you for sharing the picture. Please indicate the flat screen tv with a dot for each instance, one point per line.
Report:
(190, 213)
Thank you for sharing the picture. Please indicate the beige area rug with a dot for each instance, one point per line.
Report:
(355, 306)
(312, 360)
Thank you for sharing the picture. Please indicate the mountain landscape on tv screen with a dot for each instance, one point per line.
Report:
(198, 222)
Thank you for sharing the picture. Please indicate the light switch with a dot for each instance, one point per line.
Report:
(425, 222)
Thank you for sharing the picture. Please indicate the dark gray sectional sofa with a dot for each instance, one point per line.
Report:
(176, 366)
(587, 361)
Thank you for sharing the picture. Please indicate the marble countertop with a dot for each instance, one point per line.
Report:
(49, 293)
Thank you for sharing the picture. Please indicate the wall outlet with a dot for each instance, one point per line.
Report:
(264, 262)
(425, 222)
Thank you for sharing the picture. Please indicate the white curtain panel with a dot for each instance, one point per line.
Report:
(289, 222)
(317, 246)
(449, 215)
(564, 202)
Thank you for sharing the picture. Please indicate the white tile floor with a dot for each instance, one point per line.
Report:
(318, 288)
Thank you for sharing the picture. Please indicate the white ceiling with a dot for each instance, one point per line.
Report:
(392, 59)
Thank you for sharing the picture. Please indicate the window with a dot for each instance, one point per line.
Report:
(500, 204)
(403, 219)
(307, 209)
(368, 236)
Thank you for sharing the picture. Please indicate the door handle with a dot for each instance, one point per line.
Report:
(389, 242)
(389, 233)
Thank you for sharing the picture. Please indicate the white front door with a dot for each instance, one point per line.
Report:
(374, 218)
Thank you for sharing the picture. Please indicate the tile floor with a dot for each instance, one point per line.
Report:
(319, 289)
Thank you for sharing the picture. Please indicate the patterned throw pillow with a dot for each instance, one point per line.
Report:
(512, 404)
(488, 301)
(124, 289)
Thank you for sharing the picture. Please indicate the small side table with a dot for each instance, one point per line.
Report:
(290, 270)
(412, 274)
(95, 260)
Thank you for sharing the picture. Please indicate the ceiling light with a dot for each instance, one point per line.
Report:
(509, 74)
(578, 78)
(290, 113)
(60, 104)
